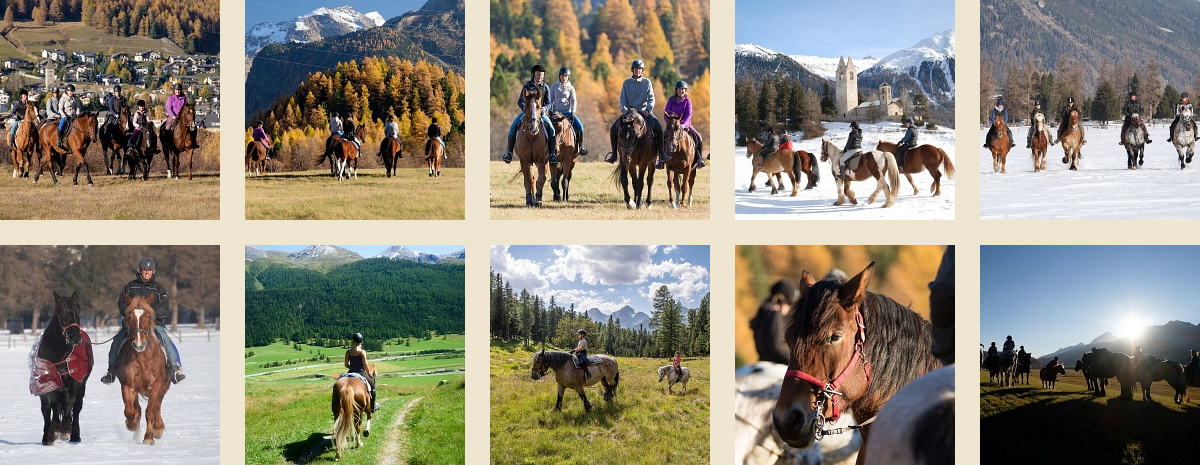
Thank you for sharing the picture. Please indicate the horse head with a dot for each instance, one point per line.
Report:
(31, 114)
(630, 127)
(540, 365)
(828, 149)
(753, 146)
(1186, 113)
(139, 320)
(662, 372)
(1073, 117)
(675, 132)
(531, 123)
(826, 337)
(66, 315)
(998, 121)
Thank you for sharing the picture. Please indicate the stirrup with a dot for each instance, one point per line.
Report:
(108, 378)
(507, 158)
(177, 376)
(612, 158)
(583, 151)
(553, 159)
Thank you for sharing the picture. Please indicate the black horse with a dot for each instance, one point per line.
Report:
(1104, 364)
(1082, 365)
(60, 371)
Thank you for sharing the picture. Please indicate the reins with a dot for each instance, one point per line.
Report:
(828, 391)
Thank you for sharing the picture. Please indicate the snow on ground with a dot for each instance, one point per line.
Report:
(817, 203)
(191, 410)
(1102, 189)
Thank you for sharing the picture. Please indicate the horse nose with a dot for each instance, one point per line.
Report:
(793, 427)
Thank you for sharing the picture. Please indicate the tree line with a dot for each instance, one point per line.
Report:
(193, 25)
(526, 318)
(779, 102)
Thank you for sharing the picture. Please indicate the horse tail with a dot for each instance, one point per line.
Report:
(345, 417)
(816, 168)
(615, 176)
(616, 381)
(796, 167)
(947, 165)
(893, 174)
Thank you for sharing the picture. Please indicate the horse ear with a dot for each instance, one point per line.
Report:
(855, 290)
(806, 281)
(56, 296)
(75, 295)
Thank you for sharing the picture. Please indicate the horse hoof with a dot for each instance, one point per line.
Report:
(752, 188)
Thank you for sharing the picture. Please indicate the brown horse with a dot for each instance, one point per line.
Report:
(256, 158)
(1150, 369)
(142, 369)
(849, 349)
(635, 156)
(1049, 375)
(603, 370)
(83, 130)
(343, 155)
(179, 139)
(681, 168)
(351, 403)
(532, 147)
(1000, 145)
(1041, 142)
(142, 153)
(25, 142)
(568, 152)
(782, 161)
(1072, 140)
(114, 138)
(390, 149)
(859, 167)
(434, 153)
(920, 158)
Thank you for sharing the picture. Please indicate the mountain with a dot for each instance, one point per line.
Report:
(759, 62)
(324, 253)
(254, 253)
(630, 318)
(399, 252)
(827, 67)
(1170, 341)
(929, 64)
(319, 24)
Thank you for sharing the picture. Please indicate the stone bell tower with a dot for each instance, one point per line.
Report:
(846, 96)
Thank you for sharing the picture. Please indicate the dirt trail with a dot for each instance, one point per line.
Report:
(393, 451)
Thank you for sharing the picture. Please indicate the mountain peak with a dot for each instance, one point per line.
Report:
(324, 253)
(1106, 337)
(399, 252)
(318, 24)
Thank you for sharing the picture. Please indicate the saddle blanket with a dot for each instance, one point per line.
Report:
(851, 163)
(786, 145)
(45, 376)
(355, 375)
(591, 360)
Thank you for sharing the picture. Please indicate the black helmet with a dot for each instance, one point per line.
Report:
(854, 124)
(1183, 95)
(70, 88)
(141, 103)
(23, 92)
(178, 86)
(117, 88)
(787, 290)
(357, 338)
(348, 115)
(1132, 93)
(146, 264)
(564, 70)
(55, 90)
(1070, 99)
(581, 332)
(638, 64)
(538, 67)
(1037, 103)
(681, 84)
(434, 120)
(393, 118)
(259, 123)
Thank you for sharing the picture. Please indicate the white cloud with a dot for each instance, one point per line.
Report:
(668, 249)
(602, 264)
(522, 273)
(689, 284)
(584, 300)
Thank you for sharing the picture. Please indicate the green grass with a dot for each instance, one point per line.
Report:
(593, 196)
(314, 195)
(643, 425)
(1083, 428)
(280, 352)
(440, 420)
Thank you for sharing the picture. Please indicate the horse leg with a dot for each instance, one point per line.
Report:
(639, 179)
(936, 187)
(133, 411)
(752, 176)
(649, 184)
(671, 188)
(527, 177)
(555, 175)
(47, 421)
(913, 184)
(76, 407)
(624, 177)
(558, 405)
(541, 182)
(587, 406)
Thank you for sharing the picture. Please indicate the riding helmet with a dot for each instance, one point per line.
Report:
(787, 290)
(1000, 101)
(1132, 93)
(117, 88)
(141, 103)
(854, 124)
(581, 332)
(357, 338)
(909, 121)
(54, 90)
(178, 86)
(146, 264)
(393, 118)
(259, 123)
(70, 87)
(681, 84)
(434, 120)
(638, 64)
(1070, 99)
(348, 115)
(538, 67)
(564, 70)
(1183, 95)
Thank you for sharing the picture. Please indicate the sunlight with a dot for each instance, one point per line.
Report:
(1131, 327)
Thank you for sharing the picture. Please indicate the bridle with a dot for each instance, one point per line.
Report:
(828, 392)
(545, 366)
(138, 329)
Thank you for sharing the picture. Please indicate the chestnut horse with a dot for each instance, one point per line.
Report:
(434, 153)
(920, 158)
(1000, 145)
(256, 158)
(792, 162)
(181, 138)
(681, 167)
(351, 403)
(1040, 142)
(1150, 369)
(343, 155)
(568, 152)
(531, 147)
(390, 149)
(859, 167)
(603, 369)
(61, 368)
(1072, 140)
(142, 369)
(26, 142)
(83, 130)
(636, 154)
(839, 335)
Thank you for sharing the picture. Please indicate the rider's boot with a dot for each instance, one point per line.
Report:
(108, 377)
(374, 406)
(700, 155)
(553, 149)
(586, 373)
(1146, 132)
(583, 151)
(512, 140)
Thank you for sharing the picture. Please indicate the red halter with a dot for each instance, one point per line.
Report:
(829, 391)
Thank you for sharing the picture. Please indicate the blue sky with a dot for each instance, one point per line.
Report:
(273, 11)
(606, 277)
(832, 29)
(370, 250)
(1050, 297)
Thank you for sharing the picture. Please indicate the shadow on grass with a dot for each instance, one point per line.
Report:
(304, 451)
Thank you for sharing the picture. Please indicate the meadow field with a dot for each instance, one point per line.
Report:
(314, 195)
(642, 425)
(420, 419)
(1070, 425)
(76, 36)
(594, 196)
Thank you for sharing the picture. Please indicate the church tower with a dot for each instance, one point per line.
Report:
(846, 98)
(885, 99)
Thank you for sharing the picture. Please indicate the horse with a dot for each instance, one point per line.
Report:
(1150, 369)
(256, 158)
(1000, 368)
(351, 402)
(859, 167)
(61, 364)
(1072, 140)
(114, 138)
(328, 153)
(756, 389)
(681, 167)
(1023, 366)
(1049, 374)
(828, 334)
(25, 142)
(999, 145)
(668, 372)
(792, 162)
(636, 152)
(568, 152)
(182, 137)
(1082, 365)
(1184, 137)
(1040, 142)
(143, 152)
(1135, 142)
(917, 425)
(83, 130)
(1105, 364)
(921, 158)
(532, 147)
(603, 369)
(341, 153)
(391, 150)
(142, 369)
(434, 152)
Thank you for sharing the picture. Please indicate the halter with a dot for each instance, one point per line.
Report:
(829, 391)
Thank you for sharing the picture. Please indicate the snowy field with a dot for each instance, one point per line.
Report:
(1102, 189)
(817, 203)
(191, 410)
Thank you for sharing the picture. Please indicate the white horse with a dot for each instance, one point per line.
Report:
(1184, 138)
(755, 441)
(859, 167)
(668, 372)
(917, 424)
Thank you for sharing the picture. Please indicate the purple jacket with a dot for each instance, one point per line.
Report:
(175, 104)
(260, 134)
(682, 108)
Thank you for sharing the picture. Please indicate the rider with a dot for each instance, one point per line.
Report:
(768, 325)
(537, 81)
(580, 352)
(175, 104)
(435, 133)
(356, 362)
(637, 93)
(17, 113)
(114, 102)
(1194, 364)
(140, 121)
(909, 141)
(562, 100)
(261, 136)
(1037, 110)
(69, 107)
(853, 140)
(1183, 104)
(52, 105)
(997, 110)
(992, 350)
(1131, 107)
(771, 144)
(350, 128)
(1066, 116)
(675, 363)
(1009, 345)
(390, 129)
(681, 105)
(144, 286)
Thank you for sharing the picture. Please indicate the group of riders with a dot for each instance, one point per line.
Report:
(1131, 108)
(778, 139)
(340, 129)
(637, 93)
(1022, 359)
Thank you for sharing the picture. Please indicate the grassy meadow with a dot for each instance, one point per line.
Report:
(77, 36)
(1070, 425)
(288, 413)
(594, 196)
(314, 195)
(643, 425)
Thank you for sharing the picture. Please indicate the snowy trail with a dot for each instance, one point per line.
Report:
(1102, 189)
(817, 203)
(191, 411)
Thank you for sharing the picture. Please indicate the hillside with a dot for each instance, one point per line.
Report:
(758, 62)
(317, 25)
(1170, 341)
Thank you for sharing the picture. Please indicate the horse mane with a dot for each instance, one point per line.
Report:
(146, 301)
(555, 358)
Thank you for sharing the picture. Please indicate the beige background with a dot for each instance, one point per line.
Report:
(232, 232)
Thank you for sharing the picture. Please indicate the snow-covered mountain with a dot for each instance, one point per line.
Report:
(254, 253)
(827, 67)
(399, 252)
(319, 24)
(327, 253)
(930, 62)
(630, 318)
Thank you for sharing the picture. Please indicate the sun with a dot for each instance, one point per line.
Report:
(1131, 327)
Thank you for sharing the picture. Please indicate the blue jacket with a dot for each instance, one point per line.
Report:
(910, 136)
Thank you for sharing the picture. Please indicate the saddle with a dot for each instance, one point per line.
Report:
(851, 163)
(556, 116)
(46, 376)
(591, 361)
(355, 375)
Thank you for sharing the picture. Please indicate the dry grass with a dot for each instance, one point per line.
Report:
(594, 196)
(76, 36)
(314, 195)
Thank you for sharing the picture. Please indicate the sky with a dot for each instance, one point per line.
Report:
(833, 29)
(1050, 297)
(606, 277)
(273, 11)
(370, 250)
